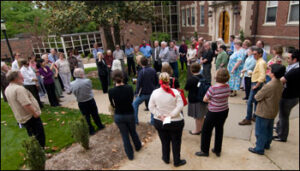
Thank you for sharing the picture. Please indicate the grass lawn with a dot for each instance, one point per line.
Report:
(97, 85)
(57, 133)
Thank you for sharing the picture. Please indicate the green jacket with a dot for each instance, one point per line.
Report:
(222, 58)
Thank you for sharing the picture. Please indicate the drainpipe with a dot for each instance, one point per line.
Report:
(255, 22)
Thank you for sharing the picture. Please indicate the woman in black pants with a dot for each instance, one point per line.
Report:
(102, 71)
(166, 104)
(46, 73)
(121, 98)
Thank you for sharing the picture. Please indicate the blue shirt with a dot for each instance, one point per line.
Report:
(52, 58)
(265, 55)
(146, 51)
(95, 51)
(232, 46)
(129, 52)
(249, 65)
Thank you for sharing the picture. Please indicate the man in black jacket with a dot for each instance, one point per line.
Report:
(206, 59)
(102, 71)
(146, 82)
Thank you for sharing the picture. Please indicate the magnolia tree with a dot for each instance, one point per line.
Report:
(65, 15)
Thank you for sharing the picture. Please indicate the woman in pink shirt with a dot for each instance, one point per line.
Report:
(277, 59)
(217, 98)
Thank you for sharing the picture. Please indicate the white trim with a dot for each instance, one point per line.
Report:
(187, 16)
(193, 8)
(278, 37)
(201, 24)
(266, 12)
(183, 25)
(269, 24)
(288, 19)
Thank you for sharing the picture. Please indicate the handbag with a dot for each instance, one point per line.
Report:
(181, 93)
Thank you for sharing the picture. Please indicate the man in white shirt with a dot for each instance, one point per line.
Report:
(155, 56)
(119, 54)
(30, 80)
(164, 52)
(15, 65)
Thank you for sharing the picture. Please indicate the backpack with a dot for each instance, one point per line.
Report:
(202, 86)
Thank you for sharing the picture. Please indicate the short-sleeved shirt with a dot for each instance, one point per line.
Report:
(218, 95)
(222, 58)
(17, 97)
(146, 51)
(63, 66)
(291, 89)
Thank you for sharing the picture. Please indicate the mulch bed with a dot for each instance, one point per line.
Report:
(106, 150)
(92, 74)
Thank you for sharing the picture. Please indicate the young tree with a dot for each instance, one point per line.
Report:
(66, 15)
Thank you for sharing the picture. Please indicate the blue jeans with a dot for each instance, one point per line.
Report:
(252, 100)
(152, 119)
(263, 133)
(174, 66)
(127, 127)
(42, 90)
(136, 103)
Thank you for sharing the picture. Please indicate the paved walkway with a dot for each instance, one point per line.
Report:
(236, 141)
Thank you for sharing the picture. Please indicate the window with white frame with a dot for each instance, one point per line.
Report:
(271, 11)
(294, 12)
(188, 16)
(183, 17)
(202, 15)
(193, 16)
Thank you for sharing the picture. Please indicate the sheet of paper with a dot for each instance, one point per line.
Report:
(167, 120)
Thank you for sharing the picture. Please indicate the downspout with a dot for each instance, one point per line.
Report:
(255, 20)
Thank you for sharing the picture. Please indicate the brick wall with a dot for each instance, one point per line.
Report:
(188, 31)
(280, 29)
(17, 45)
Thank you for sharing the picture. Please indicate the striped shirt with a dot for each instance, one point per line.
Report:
(218, 97)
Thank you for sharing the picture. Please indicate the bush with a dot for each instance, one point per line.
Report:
(90, 56)
(80, 132)
(160, 37)
(34, 154)
(82, 55)
(242, 38)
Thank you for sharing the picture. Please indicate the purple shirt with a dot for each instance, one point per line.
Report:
(47, 75)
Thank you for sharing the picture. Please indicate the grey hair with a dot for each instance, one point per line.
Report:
(2, 64)
(116, 65)
(163, 42)
(44, 56)
(156, 41)
(78, 73)
(12, 75)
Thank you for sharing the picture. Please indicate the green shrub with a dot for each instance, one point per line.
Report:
(34, 154)
(160, 37)
(242, 37)
(80, 132)
(90, 56)
(82, 55)
(196, 35)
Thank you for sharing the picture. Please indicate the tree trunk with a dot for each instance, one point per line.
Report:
(108, 37)
(117, 34)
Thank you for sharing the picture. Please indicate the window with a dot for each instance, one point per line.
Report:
(183, 17)
(271, 11)
(202, 15)
(294, 12)
(193, 16)
(188, 17)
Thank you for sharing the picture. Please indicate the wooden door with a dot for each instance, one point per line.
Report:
(224, 26)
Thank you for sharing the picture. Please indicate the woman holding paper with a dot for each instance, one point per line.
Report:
(166, 104)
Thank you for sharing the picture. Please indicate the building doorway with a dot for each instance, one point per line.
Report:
(224, 26)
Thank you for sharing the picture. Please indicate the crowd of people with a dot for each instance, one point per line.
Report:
(269, 86)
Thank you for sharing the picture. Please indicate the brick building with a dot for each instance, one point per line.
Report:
(274, 22)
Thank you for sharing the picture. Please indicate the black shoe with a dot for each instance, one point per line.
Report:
(201, 154)
(130, 158)
(146, 109)
(276, 138)
(218, 154)
(92, 132)
(252, 150)
(245, 98)
(166, 161)
(181, 162)
(198, 133)
(61, 96)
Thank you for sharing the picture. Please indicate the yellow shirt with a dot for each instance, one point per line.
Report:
(259, 72)
(17, 97)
